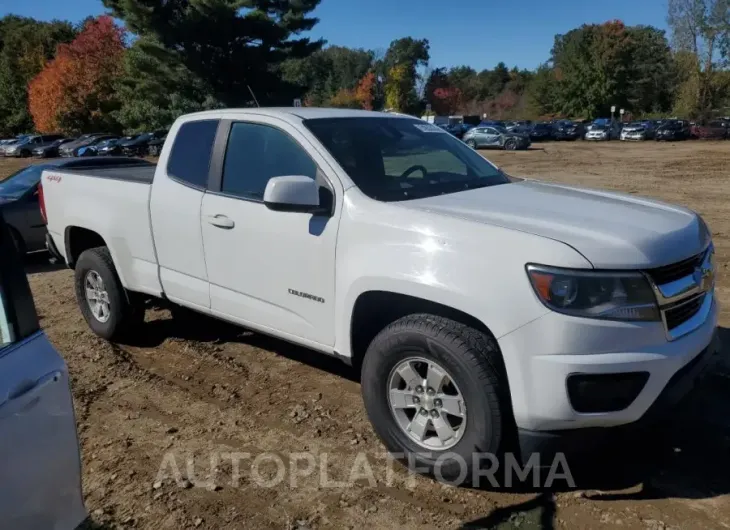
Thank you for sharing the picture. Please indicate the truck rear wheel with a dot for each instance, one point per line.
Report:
(101, 296)
(436, 393)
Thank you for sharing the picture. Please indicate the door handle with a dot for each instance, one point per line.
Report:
(26, 395)
(221, 221)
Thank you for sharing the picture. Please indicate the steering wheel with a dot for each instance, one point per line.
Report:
(412, 169)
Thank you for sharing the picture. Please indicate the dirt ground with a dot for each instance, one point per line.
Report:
(181, 394)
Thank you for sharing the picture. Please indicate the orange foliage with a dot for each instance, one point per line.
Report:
(365, 91)
(76, 88)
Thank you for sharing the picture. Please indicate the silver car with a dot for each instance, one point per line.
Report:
(40, 474)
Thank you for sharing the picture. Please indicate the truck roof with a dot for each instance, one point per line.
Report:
(304, 113)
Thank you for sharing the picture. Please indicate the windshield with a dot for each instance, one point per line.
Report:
(17, 184)
(396, 159)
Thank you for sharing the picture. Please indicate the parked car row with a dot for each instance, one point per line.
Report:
(90, 144)
(599, 130)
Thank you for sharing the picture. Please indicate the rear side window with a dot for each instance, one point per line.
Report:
(190, 157)
(256, 153)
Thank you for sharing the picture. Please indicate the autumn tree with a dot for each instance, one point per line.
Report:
(76, 91)
(326, 72)
(345, 99)
(398, 88)
(365, 91)
(25, 47)
(400, 68)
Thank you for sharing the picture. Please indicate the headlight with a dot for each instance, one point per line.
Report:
(590, 294)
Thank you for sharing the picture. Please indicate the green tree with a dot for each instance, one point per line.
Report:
(592, 69)
(25, 47)
(230, 45)
(702, 28)
(156, 88)
(652, 71)
(541, 92)
(325, 73)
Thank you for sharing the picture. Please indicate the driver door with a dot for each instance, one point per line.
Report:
(40, 468)
(269, 269)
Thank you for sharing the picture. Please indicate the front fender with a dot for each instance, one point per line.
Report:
(475, 268)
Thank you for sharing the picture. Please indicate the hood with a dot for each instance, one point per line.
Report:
(612, 231)
(634, 128)
(5, 200)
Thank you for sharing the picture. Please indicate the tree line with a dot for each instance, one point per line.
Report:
(171, 58)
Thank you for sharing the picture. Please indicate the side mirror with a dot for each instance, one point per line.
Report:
(292, 193)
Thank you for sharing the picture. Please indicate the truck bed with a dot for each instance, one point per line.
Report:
(110, 198)
(130, 170)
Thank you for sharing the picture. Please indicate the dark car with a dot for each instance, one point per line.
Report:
(672, 130)
(104, 147)
(71, 148)
(19, 199)
(49, 149)
(541, 132)
(714, 130)
(90, 148)
(495, 136)
(138, 145)
(155, 146)
(567, 130)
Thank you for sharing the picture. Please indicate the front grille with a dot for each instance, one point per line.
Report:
(681, 312)
(675, 271)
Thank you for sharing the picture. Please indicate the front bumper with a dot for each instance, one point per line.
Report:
(541, 355)
(580, 441)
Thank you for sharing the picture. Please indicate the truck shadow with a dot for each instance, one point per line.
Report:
(206, 329)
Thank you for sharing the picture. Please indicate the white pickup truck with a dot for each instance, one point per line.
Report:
(477, 305)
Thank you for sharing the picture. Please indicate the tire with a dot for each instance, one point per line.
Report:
(510, 145)
(472, 361)
(471, 143)
(123, 316)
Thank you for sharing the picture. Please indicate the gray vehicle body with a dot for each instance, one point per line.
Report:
(40, 475)
(486, 137)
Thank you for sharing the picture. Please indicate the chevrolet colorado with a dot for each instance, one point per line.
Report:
(477, 305)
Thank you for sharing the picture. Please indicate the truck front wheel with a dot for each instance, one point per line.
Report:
(101, 296)
(436, 393)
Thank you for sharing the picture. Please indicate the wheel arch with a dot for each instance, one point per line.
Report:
(77, 239)
(373, 310)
